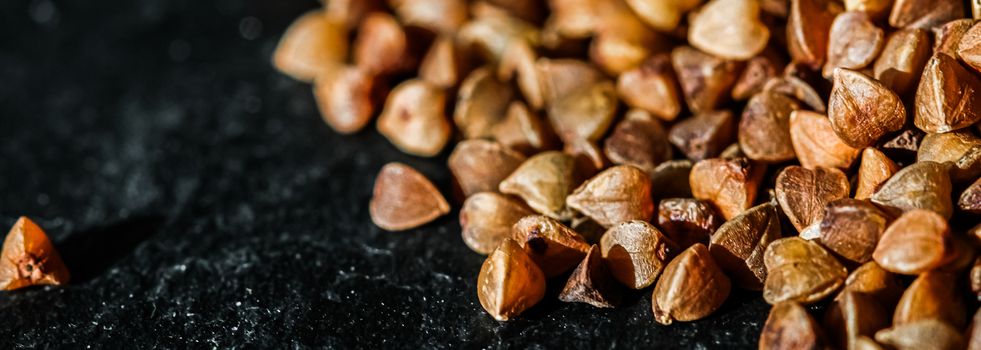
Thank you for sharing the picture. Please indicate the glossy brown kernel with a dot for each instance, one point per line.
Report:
(969, 48)
(312, 44)
(729, 29)
(347, 98)
(918, 241)
(704, 135)
(921, 185)
(518, 64)
(29, 258)
(438, 16)
(790, 326)
(592, 283)
(662, 15)
(803, 193)
(816, 143)
(622, 45)
(876, 9)
(962, 255)
(948, 97)
(509, 282)
(445, 64)
(759, 70)
(932, 296)
(651, 86)
(556, 248)
(585, 113)
(691, 288)
(481, 165)
(960, 149)
(970, 199)
(863, 110)
(854, 315)
(560, 77)
(925, 334)
(486, 219)
(874, 170)
(572, 19)
(740, 243)
(491, 35)
(901, 63)
(618, 194)
(808, 26)
(728, 184)
(687, 221)
(543, 181)
(523, 130)
(351, 12)
(801, 271)
(854, 42)
(924, 14)
(851, 228)
(799, 89)
(764, 129)
(382, 46)
(638, 140)
(872, 279)
(588, 157)
(404, 199)
(636, 252)
(414, 118)
(705, 80)
(948, 36)
(481, 103)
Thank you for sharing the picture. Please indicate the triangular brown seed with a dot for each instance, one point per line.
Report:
(862, 110)
(918, 241)
(692, 287)
(790, 326)
(592, 283)
(555, 247)
(801, 271)
(816, 143)
(481, 165)
(509, 282)
(739, 244)
(29, 258)
(636, 252)
(948, 97)
(404, 199)
(618, 194)
(543, 181)
(486, 219)
(803, 193)
(921, 185)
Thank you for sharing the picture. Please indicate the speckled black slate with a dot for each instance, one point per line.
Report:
(200, 201)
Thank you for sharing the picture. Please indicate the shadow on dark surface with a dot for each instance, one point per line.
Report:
(90, 253)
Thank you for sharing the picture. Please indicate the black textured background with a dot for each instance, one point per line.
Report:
(199, 201)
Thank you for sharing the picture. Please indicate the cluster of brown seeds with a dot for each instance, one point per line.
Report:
(813, 150)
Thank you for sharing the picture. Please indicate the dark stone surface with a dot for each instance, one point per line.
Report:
(200, 201)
